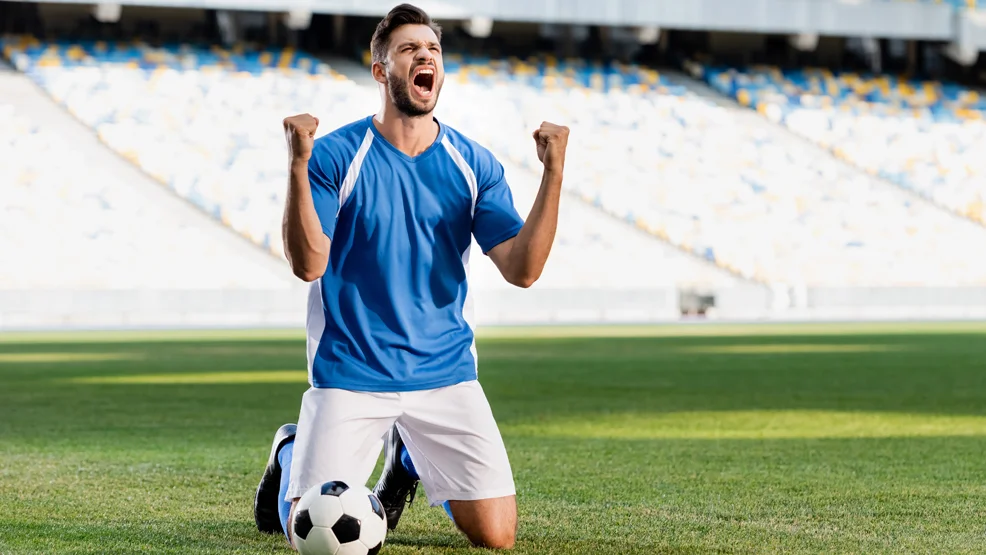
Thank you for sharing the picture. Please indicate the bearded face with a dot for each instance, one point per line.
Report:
(415, 72)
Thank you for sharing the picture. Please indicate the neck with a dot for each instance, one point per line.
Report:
(412, 136)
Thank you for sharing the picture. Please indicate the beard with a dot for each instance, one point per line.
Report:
(400, 95)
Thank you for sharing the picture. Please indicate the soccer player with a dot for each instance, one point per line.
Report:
(379, 217)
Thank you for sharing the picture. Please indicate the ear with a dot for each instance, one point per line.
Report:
(379, 73)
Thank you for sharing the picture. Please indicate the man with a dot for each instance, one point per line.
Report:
(391, 349)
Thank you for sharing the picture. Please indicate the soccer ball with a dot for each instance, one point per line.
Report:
(338, 519)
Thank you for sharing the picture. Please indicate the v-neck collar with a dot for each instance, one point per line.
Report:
(434, 146)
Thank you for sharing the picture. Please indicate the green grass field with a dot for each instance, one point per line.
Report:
(681, 439)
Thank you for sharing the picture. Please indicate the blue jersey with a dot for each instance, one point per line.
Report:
(393, 311)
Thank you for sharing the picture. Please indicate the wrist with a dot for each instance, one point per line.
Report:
(299, 164)
(554, 172)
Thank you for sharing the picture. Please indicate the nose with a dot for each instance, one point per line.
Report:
(424, 54)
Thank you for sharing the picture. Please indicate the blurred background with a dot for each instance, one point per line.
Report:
(729, 159)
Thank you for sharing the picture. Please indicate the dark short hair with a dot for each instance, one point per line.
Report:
(405, 14)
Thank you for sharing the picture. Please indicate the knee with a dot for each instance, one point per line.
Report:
(495, 538)
(489, 523)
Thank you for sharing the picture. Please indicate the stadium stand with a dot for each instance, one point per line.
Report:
(958, 4)
(717, 181)
(72, 219)
(206, 123)
(704, 177)
(925, 136)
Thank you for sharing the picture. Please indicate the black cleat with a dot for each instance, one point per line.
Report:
(396, 486)
(266, 502)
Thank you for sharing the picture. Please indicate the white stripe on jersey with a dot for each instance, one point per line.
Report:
(468, 304)
(315, 323)
(468, 308)
(352, 174)
(463, 166)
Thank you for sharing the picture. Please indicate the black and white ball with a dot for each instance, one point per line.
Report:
(337, 519)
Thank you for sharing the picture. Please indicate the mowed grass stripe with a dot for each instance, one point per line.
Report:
(672, 439)
(185, 378)
(28, 357)
(698, 329)
(799, 424)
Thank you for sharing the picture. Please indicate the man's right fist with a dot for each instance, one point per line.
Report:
(299, 131)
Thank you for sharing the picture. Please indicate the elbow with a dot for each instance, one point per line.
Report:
(523, 280)
(306, 274)
(522, 275)
(523, 283)
(307, 271)
(307, 265)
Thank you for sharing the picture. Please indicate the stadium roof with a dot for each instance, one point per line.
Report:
(874, 18)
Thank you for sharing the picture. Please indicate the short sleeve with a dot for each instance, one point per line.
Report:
(495, 219)
(325, 190)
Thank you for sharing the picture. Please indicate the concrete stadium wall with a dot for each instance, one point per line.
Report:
(891, 303)
(286, 308)
(851, 303)
(25, 310)
(150, 309)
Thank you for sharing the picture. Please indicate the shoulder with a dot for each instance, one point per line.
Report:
(467, 147)
(347, 138)
(333, 152)
(483, 162)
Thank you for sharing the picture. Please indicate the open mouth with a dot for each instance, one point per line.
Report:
(423, 82)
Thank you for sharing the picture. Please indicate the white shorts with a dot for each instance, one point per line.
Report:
(449, 432)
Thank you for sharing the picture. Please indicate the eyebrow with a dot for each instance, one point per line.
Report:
(414, 42)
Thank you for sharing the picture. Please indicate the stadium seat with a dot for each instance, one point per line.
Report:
(722, 184)
(924, 136)
(68, 223)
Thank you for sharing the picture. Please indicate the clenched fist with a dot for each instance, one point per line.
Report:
(299, 131)
(551, 140)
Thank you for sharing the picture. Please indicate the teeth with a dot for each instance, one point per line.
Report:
(426, 72)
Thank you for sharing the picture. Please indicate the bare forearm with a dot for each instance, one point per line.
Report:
(522, 258)
(305, 245)
(530, 249)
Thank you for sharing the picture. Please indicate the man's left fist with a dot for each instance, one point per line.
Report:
(551, 140)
